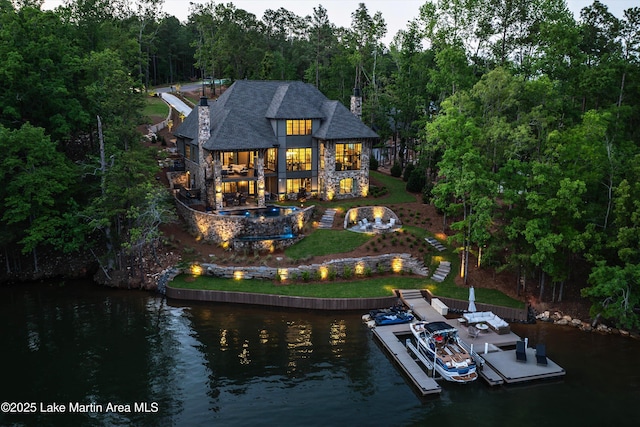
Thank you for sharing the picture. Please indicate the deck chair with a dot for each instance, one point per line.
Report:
(521, 351)
(541, 354)
(473, 332)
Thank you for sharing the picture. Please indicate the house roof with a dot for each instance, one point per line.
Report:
(241, 117)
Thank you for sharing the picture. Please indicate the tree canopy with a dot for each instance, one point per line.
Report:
(520, 120)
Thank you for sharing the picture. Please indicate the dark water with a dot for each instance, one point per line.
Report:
(230, 365)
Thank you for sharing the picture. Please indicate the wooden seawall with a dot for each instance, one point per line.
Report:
(364, 304)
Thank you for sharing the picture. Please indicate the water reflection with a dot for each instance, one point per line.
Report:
(215, 364)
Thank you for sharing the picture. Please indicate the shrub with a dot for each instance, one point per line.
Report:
(373, 163)
(347, 272)
(416, 180)
(306, 276)
(407, 171)
(426, 192)
(396, 170)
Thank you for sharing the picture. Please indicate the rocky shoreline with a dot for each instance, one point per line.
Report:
(560, 319)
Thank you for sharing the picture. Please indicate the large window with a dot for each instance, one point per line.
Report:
(346, 186)
(295, 185)
(271, 160)
(298, 127)
(298, 159)
(348, 156)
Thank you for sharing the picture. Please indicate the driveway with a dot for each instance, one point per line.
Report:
(176, 103)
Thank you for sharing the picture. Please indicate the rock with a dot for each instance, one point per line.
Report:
(562, 322)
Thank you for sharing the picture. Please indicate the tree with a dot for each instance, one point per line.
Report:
(36, 198)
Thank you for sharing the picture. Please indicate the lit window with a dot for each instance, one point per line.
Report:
(298, 127)
(295, 185)
(348, 156)
(346, 186)
(298, 159)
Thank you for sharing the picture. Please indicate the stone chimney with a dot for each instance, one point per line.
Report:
(204, 132)
(356, 103)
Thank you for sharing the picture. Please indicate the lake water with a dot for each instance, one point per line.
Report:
(86, 349)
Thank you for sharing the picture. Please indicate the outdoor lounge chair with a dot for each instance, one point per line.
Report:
(473, 332)
(541, 354)
(521, 351)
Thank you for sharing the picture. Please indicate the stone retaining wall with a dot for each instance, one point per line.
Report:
(351, 267)
(223, 229)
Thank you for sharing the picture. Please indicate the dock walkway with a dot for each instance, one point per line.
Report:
(500, 364)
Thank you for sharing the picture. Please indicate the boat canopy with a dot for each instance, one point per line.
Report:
(439, 327)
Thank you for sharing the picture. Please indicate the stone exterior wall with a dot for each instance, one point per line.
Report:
(354, 267)
(223, 229)
(331, 177)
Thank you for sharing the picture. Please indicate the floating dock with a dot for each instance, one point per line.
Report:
(500, 365)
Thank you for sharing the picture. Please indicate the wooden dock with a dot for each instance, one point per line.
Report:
(500, 364)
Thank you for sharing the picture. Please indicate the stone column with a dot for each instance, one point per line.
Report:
(204, 132)
(259, 170)
(217, 179)
(356, 103)
(330, 171)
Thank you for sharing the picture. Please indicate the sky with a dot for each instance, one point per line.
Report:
(396, 13)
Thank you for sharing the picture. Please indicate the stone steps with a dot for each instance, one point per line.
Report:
(327, 219)
(441, 273)
(435, 243)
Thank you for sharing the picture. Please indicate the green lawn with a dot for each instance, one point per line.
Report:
(155, 106)
(375, 286)
(326, 242)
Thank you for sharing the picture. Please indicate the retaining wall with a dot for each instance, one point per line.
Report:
(282, 301)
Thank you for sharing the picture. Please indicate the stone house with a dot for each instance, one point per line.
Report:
(274, 140)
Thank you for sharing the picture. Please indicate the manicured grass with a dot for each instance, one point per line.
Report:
(155, 106)
(380, 286)
(326, 242)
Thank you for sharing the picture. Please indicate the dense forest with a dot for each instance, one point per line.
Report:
(524, 122)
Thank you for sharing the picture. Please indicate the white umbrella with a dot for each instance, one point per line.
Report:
(472, 298)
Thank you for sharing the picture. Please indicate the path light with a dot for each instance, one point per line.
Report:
(324, 272)
(359, 268)
(283, 273)
(238, 275)
(396, 265)
(196, 269)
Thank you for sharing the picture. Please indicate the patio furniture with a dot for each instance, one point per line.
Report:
(541, 354)
(521, 351)
(473, 332)
(495, 322)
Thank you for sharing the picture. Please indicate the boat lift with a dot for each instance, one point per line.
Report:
(426, 362)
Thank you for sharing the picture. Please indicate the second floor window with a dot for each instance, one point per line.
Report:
(348, 156)
(298, 159)
(298, 127)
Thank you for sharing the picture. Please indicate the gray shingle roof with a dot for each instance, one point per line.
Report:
(240, 118)
(341, 123)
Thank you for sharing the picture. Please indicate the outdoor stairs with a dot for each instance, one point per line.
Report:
(327, 218)
(442, 271)
(435, 243)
